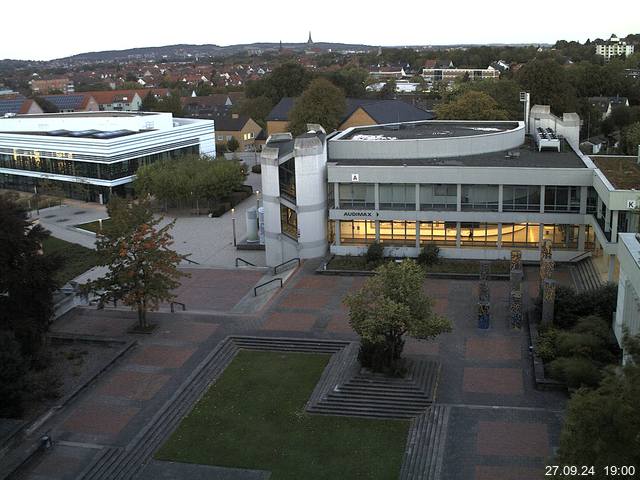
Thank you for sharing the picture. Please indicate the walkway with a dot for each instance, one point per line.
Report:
(493, 423)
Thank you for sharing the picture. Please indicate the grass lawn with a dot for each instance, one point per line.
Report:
(93, 226)
(253, 417)
(347, 262)
(76, 259)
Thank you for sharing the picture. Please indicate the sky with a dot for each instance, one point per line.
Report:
(44, 30)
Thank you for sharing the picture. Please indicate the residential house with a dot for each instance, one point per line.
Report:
(606, 104)
(359, 112)
(210, 106)
(244, 129)
(77, 102)
(43, 87)
(18, 106)
(614, 47)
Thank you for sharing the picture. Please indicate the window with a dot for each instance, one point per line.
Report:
(229, 137)
(562, 236)
(357, 232)
(357, 195)
(589, 238)
(523, 235)
(289, 222)
(397, 196)
(592, 201)
(287, 174)
(521, 198)
(440, 233)
(479, 234)
(438, 196)
(480, 197)
(398, 233)
(561, 199)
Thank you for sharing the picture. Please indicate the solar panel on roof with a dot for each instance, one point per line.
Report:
(112, 134)
(83, 133)
(58, 133)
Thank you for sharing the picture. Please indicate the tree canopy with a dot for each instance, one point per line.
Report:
(471, 105)
(322, 102)
(142, 267)
(548, 83)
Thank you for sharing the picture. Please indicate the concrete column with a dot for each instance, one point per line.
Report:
(614, 226)
(417, 234)
(542, 198)
(336, 195)
(377, 223)
(376, 193)
(582, 236)
(417, 197)
(500, 197)
(459, 202)
(540, 235)
(336, 229)
(607, 221)
(612, 266)
(500, 229)
(599, 208)
(584, 192)
(458, 235)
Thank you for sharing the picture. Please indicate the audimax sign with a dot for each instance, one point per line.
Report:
(360, 214)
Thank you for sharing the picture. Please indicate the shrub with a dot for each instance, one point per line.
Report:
(257, 169)
(383, 357)
(429, 255)
(545, 347)
(594, 325)
(13, 369)
(571, 306)
(587, 345)
(375, 253)
(576, 372)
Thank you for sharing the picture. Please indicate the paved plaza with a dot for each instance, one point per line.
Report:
(499, 426)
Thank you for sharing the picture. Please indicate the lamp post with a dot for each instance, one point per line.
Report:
(257, 199)
(233, 225)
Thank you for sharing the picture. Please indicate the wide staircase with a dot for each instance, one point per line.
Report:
(585, 275)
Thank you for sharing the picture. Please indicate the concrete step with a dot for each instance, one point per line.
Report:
(425, 445)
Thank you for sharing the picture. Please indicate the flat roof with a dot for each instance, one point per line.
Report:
(623, 172)
(526, 156)
(95, 134)
(82, 114)
(428, 129)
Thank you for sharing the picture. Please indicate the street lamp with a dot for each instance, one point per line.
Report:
(233, 225)
(257, 199)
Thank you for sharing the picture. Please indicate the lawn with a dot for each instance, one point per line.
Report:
(347, 262)
(93, 226)
(76, 259)
(253, 417)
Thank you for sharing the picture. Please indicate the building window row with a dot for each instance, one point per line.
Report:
(442, 197)
(470, 234)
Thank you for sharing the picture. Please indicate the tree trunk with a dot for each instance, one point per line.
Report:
(140, 316)
(144, 314)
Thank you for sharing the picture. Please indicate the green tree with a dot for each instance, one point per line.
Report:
(233, 145)
(631, 139)
(388, 91)
(142, 267)
(149, 103)
(505, 92)
(548, 84)
(390, 305)
(601, 426)
(286, 80)
(171, 104)
(13, 370)
(322, 102)
(471, 105)
(256, 108)
(27, 279)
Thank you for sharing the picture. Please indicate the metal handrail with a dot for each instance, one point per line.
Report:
(184, 307)
(190, 261)
(255, 289)
(244, 261)
(275, 269)
(583, 254)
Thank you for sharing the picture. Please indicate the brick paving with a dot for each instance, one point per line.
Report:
(499, 426)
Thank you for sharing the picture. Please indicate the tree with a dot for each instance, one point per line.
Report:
(631, 139)
(13, 370)
(256, 108)
(233, 145)
(27, 280)
(548, 84)
(471, 105)
(601, 426)
(388, 306)
(149, 103)
(46, 105)
(322, 102)
(171, 104)
(286, 80)
(505, 92)
(142, 268)
(388, 90)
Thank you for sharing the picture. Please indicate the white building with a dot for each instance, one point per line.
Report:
(614, 47)
(476, 189)
(89, 155)
(450, 74)
(628, 306)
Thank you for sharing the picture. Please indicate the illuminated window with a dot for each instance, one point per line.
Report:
(289, 222)
(523, 235)
(440, 233)
(357, 232)
(398, 233)
(479, 234)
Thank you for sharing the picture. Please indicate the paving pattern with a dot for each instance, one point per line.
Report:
(487, 422)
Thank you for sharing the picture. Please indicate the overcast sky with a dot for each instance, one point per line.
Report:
(43, 30)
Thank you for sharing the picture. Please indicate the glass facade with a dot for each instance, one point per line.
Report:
(562, 199)
(563, 236)
(358, 232)
(521, 198)
(357, 195)
(35, 162)
(287, 176)
(289, 222)
(397, 196)
(480, 197)
(479, 234)
(521, 235)
(398, 233)
(441, 233)
(438, 196)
